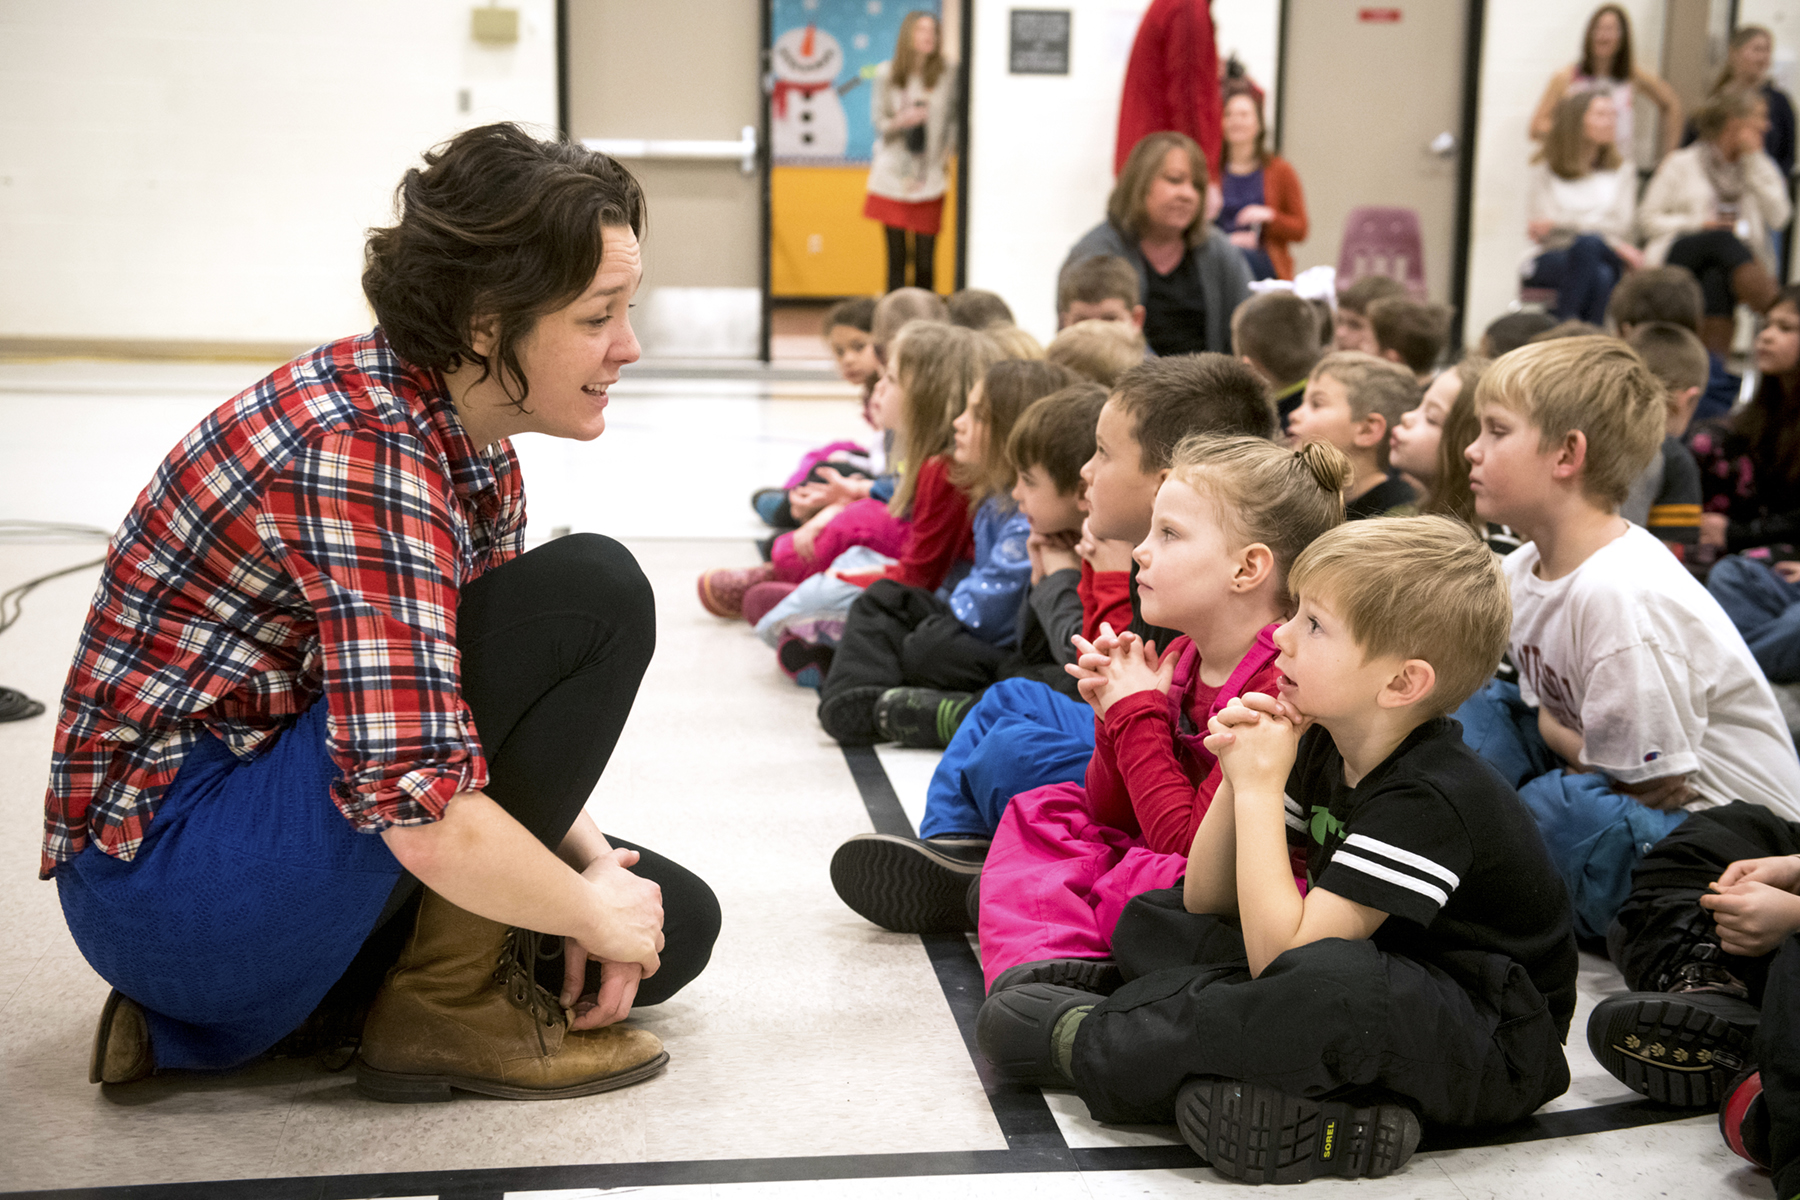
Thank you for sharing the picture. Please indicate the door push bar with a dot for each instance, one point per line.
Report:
(744, 149)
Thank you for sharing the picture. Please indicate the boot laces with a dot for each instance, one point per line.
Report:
(517, 978)
(1701, 971)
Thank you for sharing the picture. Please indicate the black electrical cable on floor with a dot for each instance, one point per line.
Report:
(16, 705)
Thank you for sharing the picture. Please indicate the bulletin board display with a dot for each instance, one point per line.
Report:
(822, 60)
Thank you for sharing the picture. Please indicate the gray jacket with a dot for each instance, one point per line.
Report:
(1224, 277)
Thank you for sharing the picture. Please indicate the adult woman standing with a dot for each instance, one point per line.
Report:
(1607, 65)
(317, 625)
(1580, 202)
(911, 109)
(1710, 206)
(1264, 209)
(1191, 276)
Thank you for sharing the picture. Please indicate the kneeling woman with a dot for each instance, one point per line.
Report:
(328, 724)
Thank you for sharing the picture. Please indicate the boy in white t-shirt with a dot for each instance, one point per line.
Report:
(1642, 684)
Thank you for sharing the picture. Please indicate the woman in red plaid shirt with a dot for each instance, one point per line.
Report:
(326, 743)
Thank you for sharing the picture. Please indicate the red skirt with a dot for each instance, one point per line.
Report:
(920, 216)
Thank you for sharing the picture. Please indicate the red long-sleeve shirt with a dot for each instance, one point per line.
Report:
(1105, 599)
(942, 533)
(1153, 780)
(1172, 80)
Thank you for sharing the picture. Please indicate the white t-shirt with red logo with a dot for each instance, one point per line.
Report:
(1630, 651)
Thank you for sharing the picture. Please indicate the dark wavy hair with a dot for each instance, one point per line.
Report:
(497, 226)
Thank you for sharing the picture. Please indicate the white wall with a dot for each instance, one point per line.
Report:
(203, 170)
(1042, 145)
(1523, 43)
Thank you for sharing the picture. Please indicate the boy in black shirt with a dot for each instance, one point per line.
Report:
(1428, 971)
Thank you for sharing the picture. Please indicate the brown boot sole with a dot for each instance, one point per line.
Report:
(396, 1088)
(141, 1068)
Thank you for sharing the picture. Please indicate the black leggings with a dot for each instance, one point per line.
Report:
(554, 645)
(1712, 255)
(924, 250)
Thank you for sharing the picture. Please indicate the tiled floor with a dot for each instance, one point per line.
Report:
(817, 1057)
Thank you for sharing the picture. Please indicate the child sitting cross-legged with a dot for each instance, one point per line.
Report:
(1643, 687)
(1044, 453)
(1022, 733)
(931, 368)
(1427, 973)
(1665, 499)
(1354, 401)
(899, 634)
(1229, 521)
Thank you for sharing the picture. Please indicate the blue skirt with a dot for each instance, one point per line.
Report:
(247, 901)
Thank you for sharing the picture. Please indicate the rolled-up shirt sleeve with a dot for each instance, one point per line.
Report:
(370, 534)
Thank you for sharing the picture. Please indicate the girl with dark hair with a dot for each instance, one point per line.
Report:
(329, 733)
(1192, 277)
(1607, 65)
(911, 107)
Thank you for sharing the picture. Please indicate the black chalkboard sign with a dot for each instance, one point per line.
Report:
(1039, 41)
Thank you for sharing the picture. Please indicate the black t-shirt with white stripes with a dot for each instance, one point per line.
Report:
(1436, 839)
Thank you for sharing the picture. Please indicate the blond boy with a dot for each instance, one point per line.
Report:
(1291, 1034)
(1640, 681)
(1354, 401)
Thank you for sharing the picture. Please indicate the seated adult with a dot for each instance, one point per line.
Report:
(1264, 209)
(328, 725)
(1190, 275)
(1579, 204)
(1607, 64)
(1710, 206)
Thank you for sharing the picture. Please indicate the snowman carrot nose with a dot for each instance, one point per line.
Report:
(806, 43)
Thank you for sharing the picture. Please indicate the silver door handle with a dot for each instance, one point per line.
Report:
(1443, 145)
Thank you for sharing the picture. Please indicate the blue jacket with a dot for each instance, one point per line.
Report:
(987, 599)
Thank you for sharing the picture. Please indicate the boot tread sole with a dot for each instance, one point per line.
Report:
(902, 885)
(397, 1087)
(1675, 1049)
(1262, 1135)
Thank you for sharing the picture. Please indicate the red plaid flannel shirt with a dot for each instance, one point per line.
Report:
(309, 538)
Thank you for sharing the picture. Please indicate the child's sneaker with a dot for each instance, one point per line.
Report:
(1677, 1048)
(722, 589)
(1260, 1135)
(921, 718)
(1098, 975)
(908, 885)
(1744, 1118)
(806, 663)
(849, 716)
(759, 600)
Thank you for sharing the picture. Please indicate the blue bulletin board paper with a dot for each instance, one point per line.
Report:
(823, 67)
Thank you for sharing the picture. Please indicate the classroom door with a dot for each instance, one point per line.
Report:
(1366, 91)
(822, 56)
(685, 71)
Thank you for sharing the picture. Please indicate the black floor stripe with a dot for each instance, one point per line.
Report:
(885, 812)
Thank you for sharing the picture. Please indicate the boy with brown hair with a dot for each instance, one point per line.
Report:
(1427, 973)
(1277, 334)
(1640, 681)
(1101, 287)
(1410, 332)
(1354, 401)
(1665, 499)
(1352, 324)
(1100, 350)
(1672, 294)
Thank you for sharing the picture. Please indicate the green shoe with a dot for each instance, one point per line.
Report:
(921, 718)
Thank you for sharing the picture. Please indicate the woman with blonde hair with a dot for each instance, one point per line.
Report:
(1579, 207)
(1607, 65)
(1710, 207)
(911, 108)
(1191, 276)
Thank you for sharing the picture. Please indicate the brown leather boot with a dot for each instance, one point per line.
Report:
(121, 1043)
(461, 1010)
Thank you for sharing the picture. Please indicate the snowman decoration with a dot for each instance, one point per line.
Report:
(806, 110)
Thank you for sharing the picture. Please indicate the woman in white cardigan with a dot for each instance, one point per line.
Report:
(1710, 208)
(911, 109)
(1580, 201)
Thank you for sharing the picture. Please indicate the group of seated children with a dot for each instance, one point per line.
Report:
(1282, 825)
